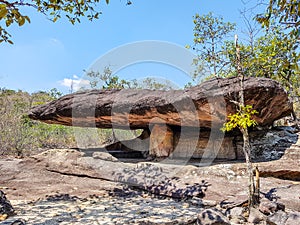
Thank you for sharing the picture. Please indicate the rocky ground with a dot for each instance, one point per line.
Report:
(134, 208)
(68, 191)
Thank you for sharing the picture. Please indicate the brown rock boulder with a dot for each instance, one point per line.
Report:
(200, 106)
(288, 167)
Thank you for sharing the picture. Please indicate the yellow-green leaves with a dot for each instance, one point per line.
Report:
(10, 15)
(21, 20)
(3, 11)
(286, 13)
(241, 119)
(10, 12)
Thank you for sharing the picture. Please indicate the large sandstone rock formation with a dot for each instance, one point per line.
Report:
(171, 120)
(211, 101)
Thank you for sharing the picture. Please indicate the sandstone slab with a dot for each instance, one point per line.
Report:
(205, 105)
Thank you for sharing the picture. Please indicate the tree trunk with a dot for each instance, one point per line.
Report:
(247, 152)
(257, 187)
(252, 200)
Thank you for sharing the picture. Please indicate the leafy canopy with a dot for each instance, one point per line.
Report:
(285, 12)
(209, 34)
(107, 80)
(271, 56)
(74, 10)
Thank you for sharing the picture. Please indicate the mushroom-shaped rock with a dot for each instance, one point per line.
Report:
(173, 119)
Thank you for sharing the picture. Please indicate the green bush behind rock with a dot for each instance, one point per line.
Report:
(21, 136)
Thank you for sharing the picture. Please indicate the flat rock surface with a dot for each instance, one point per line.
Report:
(107, 210)
(25, 179)
(43, 197)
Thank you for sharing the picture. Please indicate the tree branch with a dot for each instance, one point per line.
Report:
(16, 3)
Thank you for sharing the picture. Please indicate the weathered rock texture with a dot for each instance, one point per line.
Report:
(176, 180)
(288, 167)
(200, 106)
(211, 217)
(154, 178)
(269, 144)
(161, 141)
(6, 208)
(172, 119)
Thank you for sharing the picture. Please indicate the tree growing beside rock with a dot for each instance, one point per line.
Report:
(242, 120)
(273, 54)
(209, 34)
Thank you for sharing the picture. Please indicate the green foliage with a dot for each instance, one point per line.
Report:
(54, 93)
(151, 83)
(10, 12)
(241, 119)
(19, 134)
(270, 56)
(209, 34)
(275, 54)
(285, 12)
(106, 80)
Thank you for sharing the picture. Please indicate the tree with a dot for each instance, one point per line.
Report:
(209, 34)
(276, 58)
(242, 120)
(285, 12)
(54, 93)
(151, 83)
(271, 56)
(106, 80)
(10, 12)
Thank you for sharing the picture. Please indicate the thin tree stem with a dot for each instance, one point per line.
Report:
(246, 147)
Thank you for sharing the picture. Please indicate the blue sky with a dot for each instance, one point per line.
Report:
(47, 55)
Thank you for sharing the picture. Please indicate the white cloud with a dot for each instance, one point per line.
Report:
(55, 42)
(75, 84)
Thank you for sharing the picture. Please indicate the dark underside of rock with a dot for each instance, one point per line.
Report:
(205, 105)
